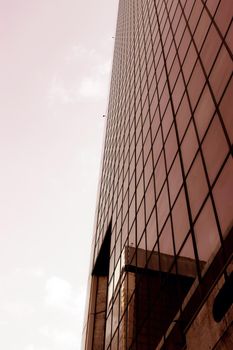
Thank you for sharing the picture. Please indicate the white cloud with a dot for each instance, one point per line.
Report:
(33, 347)
(33, 271)
(104, 68)
(58, 92)
(60, 294)
(79, 53)
(17, 308)
(38, 272)
(30, 347)
(60, 337)
(89, 79)
(91, 88)
(96, 85)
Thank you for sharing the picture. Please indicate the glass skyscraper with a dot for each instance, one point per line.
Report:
(161, 269)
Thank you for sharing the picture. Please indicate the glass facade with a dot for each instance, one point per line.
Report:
(165, 207)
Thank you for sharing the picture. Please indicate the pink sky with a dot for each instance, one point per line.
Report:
(55, 68)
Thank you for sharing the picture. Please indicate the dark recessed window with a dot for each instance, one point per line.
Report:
(223, 300)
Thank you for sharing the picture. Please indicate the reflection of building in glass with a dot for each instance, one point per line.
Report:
(163, 243)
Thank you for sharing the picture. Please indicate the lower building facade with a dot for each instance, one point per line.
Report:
(161, 273)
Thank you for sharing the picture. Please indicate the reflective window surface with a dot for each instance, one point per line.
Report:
(167, 177)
